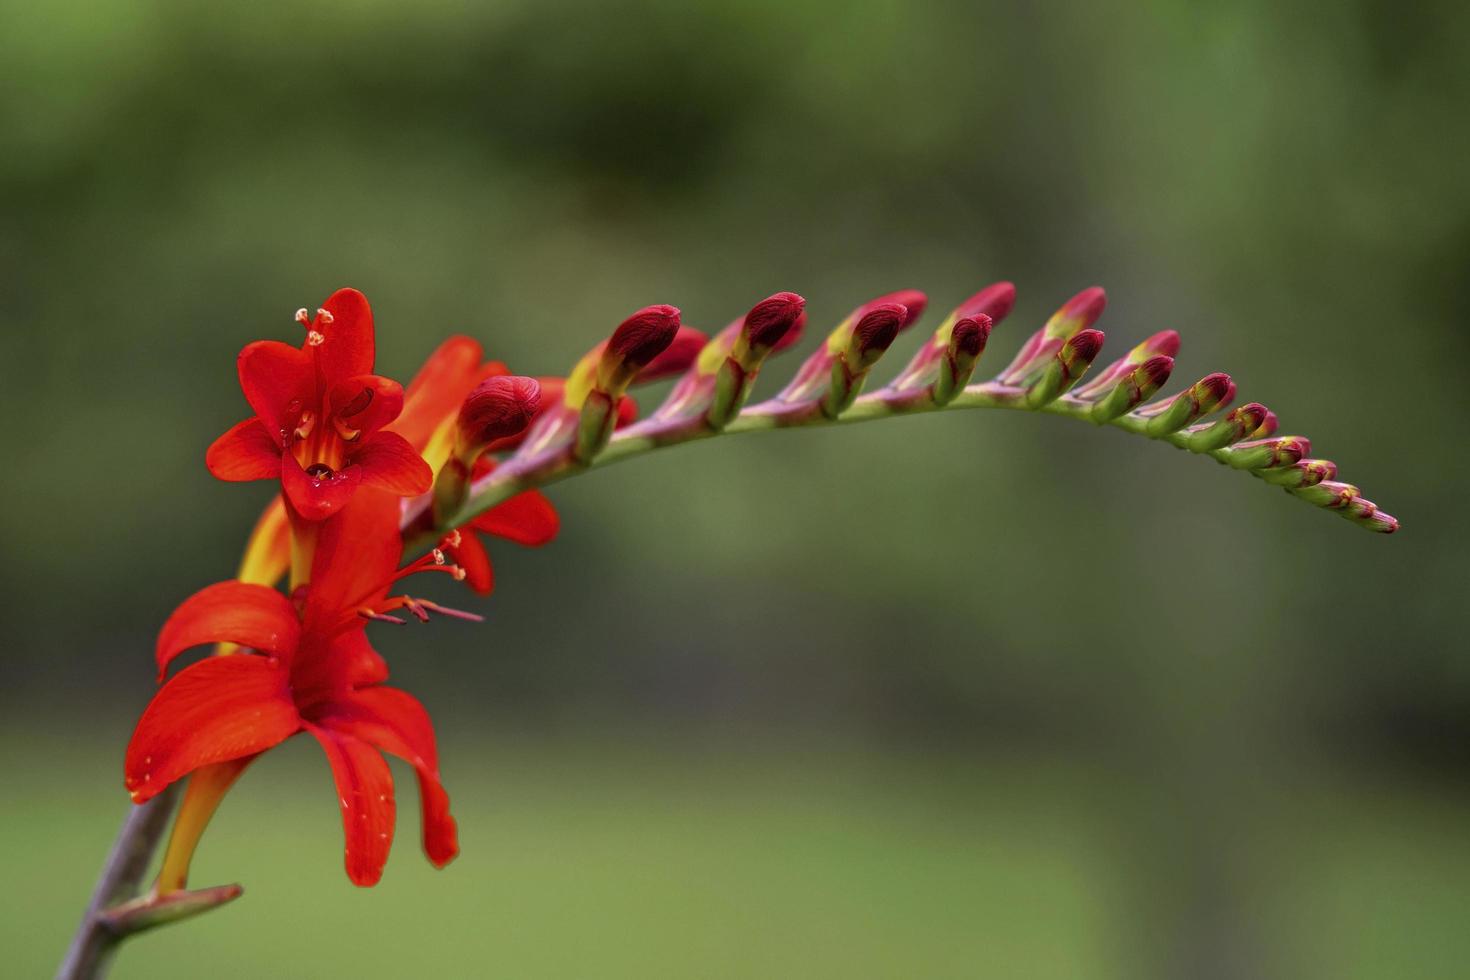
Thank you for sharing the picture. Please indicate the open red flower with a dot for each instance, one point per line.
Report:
(319, 416)
(308, 670)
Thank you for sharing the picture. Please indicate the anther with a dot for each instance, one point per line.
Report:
(451, 540)
(324, 316)
(439, 558)
(315, 338)
(302, 316)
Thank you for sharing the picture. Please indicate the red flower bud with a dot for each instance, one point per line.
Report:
(911, 301)
(876, 331)
(644, 335)
(970, 333)
(770, 320)
(499, 408)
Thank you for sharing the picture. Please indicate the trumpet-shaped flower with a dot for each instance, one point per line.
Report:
(319, 416)
(306, 666)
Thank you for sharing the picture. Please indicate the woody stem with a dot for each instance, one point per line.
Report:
(91, 948)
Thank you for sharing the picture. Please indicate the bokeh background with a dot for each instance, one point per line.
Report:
(982, 695)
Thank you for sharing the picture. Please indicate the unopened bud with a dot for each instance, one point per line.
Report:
(1329, 493)
(1136, 387)
(874, 333)
(1272, 458)
(767, 324)
(1204, 396)
(634, 344)
(1067, 367)
(499, 408)
(966, 343)
(1232, 428)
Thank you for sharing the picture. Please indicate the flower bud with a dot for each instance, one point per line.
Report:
(767, 325)
(1232, 428)
(874, 333)
(1137, 386)
(1268, 457)
(499, 408)
(966, 343)
(1173, 414)
(634, 344)
(1068, 365)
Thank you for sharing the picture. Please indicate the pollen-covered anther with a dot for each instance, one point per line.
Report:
(450, 540)
(315, 338)
(324, 315)
(303, 316)
(438, 556)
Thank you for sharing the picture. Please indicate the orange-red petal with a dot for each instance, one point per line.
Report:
(470, 555)
(389, 463)
(347, 341)
(527, 518)
(365, 794)
(356, 556)
(253, 616)
(397, 723)
(218, 709)
(278, 382)
(247, 451)
(317, 499)
(334, 667)
(364, 404)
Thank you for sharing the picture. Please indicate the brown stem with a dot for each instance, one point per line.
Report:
(95, 940)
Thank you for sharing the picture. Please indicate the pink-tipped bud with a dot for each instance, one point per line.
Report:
(1077, 313)
(1163, 342)
(1082, 349)
(499, 408)
(676, 358)
(769, 322)
(994, 301)
(1268, 426)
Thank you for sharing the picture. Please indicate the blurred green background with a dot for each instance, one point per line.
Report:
(982, 695)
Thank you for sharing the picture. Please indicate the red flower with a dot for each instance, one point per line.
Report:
(311, 671)
(319, 412)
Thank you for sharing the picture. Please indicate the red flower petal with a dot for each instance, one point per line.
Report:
(397, 723)
(347, 341)
(389, 463)
(365, 793)
(527, 518)
(364, 404)
(331, 668)
(356, 556)
(470, 555)
(218, 709)
(247, 451)
(435, 393)
(317, 499)
(230, 612)
(278, 382)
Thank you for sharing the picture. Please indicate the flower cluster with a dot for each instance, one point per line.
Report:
(369, 471)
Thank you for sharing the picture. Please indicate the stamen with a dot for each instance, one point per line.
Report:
(381, 617)
(302, 316)
(451, 540)
(439, 558)
(315, 338)
(324, 316)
